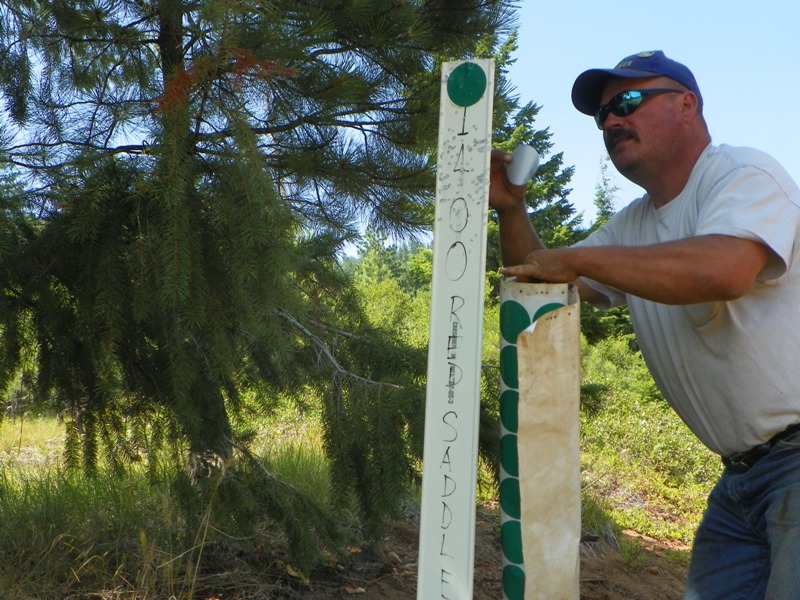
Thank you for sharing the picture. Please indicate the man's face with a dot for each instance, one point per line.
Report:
(637, 141)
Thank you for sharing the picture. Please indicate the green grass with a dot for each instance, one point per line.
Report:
(125, 535)
(131, 538)
(293, 450)
(69, 534)
(31, 441)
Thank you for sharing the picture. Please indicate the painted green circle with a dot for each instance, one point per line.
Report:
(511, 540)
(509, 372)
(509, 497)
(546, 308)
(509, 410)
(514, 319)
(513, 582)
(508, 454)
(466, 84)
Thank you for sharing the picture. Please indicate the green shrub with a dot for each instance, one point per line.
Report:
(637, 456)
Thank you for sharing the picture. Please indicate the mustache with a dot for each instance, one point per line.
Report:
(614, 135)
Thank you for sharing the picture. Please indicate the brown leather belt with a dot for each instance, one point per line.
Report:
(742, 461)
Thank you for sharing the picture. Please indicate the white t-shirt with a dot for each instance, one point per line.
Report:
(731, 370)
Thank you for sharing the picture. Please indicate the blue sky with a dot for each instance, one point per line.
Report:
(745, 56)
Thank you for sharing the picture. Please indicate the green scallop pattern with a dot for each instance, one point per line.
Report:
(509, 403)
(508, 367)
(515, 317)
(513, 582)
(509, 458)
(509, 497)
(546, 308)
(511, 534)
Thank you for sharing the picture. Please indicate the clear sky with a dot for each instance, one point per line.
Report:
(745, 55)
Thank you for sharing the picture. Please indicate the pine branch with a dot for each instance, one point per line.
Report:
(323, 349)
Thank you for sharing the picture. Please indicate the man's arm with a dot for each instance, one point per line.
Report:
(700, 269)
(518, 239)
(517, 236)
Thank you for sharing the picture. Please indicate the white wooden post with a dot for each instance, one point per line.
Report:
(447, 527)
(539, 458)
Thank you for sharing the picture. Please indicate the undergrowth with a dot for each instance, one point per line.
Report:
(638, 460)
(131, 537)
(140, 538)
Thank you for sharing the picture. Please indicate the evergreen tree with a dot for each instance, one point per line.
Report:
(604, 196)
(598, 325)
(377, 260)
(393, 281)
(553, 216)
(191, 171)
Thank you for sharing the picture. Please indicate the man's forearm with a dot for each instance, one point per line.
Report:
(688, 271)
(517, 236)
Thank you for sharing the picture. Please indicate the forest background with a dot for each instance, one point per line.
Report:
(196, 373)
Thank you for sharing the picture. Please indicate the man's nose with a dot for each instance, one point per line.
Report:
(612, 121)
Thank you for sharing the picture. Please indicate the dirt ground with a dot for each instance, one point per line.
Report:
(631, 568)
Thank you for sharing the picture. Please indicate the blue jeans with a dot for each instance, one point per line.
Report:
(747, 546)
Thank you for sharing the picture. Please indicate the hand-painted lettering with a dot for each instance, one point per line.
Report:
(456, 304)
(455, 263)
(459, 215)
(454, 416)
(447, 516)
(446, 460)
(449, 485)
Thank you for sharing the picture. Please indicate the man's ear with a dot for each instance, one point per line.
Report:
(690, 103)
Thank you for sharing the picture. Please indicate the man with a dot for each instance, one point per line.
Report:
(707, 262)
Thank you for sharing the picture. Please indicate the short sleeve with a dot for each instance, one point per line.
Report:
(751, 203)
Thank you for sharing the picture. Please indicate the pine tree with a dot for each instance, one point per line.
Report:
(598, 325)
(392, 275)
(554, 217)
(604, 196)
(191, 173)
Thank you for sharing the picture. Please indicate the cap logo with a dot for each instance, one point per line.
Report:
(628, 62)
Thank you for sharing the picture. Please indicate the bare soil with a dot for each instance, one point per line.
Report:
(631, 568)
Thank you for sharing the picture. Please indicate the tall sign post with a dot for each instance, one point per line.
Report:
(447, 527)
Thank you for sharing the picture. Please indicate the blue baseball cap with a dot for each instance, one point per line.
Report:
(589, 85)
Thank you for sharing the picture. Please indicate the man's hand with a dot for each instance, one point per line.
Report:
(503, 195)
(552, 266)
(517, 237)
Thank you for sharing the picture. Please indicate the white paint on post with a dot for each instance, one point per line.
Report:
(447, 527)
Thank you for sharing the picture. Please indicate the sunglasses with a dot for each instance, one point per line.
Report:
(627, 102)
